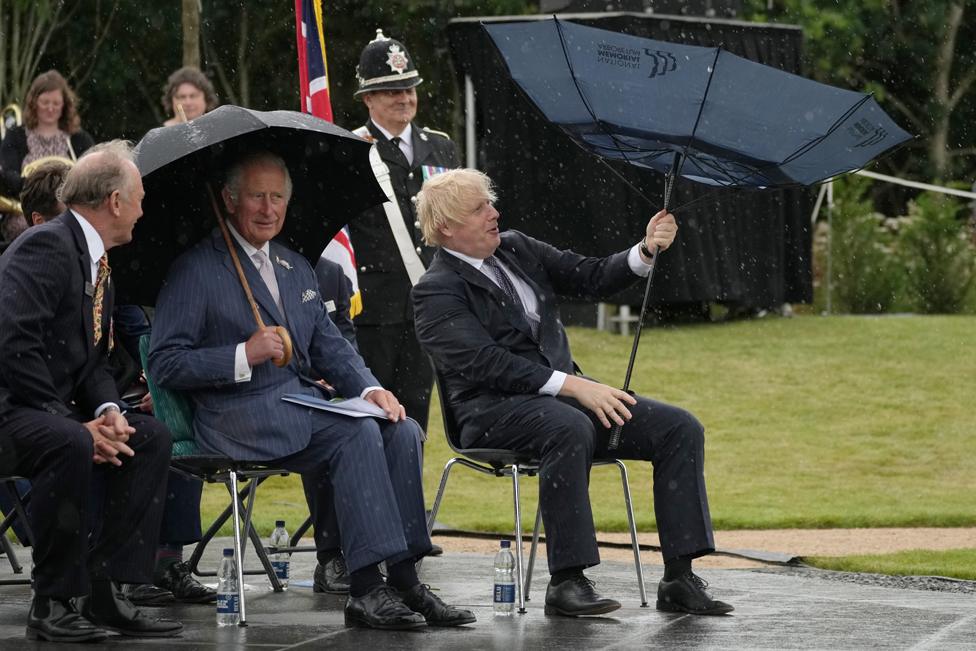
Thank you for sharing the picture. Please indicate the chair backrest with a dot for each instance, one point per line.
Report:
(171, 407)
(451, 429)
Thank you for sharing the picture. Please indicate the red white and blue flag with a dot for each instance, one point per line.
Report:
(313, 78)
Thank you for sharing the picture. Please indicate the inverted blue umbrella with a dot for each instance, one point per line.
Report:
(703, 114)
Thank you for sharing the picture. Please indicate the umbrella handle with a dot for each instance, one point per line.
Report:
(281, 331)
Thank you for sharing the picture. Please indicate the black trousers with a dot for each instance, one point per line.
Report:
(567, 437)
(394, 356)
(55, 453)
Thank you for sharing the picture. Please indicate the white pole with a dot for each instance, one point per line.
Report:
(469, 123)
(830, 246)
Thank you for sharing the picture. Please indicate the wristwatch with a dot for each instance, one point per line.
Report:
(646, 252)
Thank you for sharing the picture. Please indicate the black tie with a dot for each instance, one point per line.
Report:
(507, 286)
(396, 141)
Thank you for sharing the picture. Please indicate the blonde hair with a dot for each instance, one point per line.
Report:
(448, 197)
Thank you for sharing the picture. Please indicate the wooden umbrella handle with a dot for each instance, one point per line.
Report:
(282, 332)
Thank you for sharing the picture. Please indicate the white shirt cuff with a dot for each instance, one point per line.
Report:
(636, 262)
(242, 370)
(105, 405)
(554, 384)
(367, 390)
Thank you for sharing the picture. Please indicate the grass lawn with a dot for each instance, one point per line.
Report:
(956, 563)
(811, 422)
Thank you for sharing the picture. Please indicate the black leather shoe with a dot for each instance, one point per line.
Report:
(146, 594)
(686, 594)
(382, 608)
(107, 607)
(421, 599)
(333, 577)
(435, 550)
(178, 579)
(577, 596)
(57, 620)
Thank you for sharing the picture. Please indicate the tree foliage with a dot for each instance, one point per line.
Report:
(916, 57)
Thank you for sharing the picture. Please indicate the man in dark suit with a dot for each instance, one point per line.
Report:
(486, 312)
(60, 419)
(389, 246)
(204, 341)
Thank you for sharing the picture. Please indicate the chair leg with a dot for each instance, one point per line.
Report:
(440, 494)
(213, 530)
(238, 548)
(252, 534)
(299, 532)
(519, 575)
(633, 532)
(532, 553)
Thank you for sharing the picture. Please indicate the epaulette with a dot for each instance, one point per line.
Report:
(364, 133)
(437, 133)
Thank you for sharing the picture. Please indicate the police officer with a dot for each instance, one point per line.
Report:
(388, 79)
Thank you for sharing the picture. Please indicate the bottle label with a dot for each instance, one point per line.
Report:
(281, 569)
(228, 604)
(504, 593)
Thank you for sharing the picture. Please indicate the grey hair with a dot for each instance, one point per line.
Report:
(91, 180)
(236, 171)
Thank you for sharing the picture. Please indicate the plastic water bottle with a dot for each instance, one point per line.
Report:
(504, 597)
(281, 562)
(228, 606)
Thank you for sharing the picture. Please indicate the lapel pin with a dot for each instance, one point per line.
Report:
(283, 263)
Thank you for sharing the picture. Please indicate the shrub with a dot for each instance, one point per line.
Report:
(867, 276)
(940, 260)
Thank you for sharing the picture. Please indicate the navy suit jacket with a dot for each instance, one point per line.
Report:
(48, 360)
(483, 346)
(201, 317)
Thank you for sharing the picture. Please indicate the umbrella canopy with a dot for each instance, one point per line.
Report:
(736, 123)
(329, 166)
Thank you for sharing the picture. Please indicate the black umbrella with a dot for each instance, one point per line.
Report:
(330, 169)
(698, 113)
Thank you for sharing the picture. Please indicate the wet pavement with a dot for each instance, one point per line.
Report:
(776, 608)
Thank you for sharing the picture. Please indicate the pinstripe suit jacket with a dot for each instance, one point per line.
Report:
(201, 317)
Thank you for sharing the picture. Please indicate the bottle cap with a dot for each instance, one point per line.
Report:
(228, 551)
(279, 523)
(506, 544)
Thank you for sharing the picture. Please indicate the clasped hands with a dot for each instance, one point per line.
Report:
(110, 433)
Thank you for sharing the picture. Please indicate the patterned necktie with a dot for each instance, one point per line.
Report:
(101, 280)
(507, 286)
(263, 264)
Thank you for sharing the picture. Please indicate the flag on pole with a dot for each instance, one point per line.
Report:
(313, 78)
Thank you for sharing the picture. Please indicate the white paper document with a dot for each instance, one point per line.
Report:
(354, 407)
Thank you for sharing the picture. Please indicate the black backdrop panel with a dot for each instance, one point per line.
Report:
(744, 248)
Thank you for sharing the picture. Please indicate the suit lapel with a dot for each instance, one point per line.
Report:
(516, 316)
(88, 287)
(421, 146)
(260, 291)
(390, 153)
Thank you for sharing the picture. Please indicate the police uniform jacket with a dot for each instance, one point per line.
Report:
(383, 279)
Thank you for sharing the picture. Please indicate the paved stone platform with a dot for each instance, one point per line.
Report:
(775, 609)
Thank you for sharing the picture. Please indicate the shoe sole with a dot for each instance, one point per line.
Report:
(152, 603)
(320, 590)
(131, 633)
(601, 610)
(669, 607)
(459, 622)
(210, 599)
(35, 635)
(355, 622)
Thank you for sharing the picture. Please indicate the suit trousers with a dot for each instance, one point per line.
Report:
(371, 471)
(392, 353)
(55, 453)
(566, 438)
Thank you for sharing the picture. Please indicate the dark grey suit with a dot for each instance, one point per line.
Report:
(52, 378)
(201, 317)
(493, 367)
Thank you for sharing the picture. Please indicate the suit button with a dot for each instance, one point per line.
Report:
(418, 250)
(413, 199)
(363, 269)
(410, 175)
(416, 224)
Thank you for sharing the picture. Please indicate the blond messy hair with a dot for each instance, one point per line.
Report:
(449, 197)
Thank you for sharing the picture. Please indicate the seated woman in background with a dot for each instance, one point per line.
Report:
(190, 89)
(51, 128)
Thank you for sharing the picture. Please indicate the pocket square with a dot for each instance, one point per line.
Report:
(309, 295)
